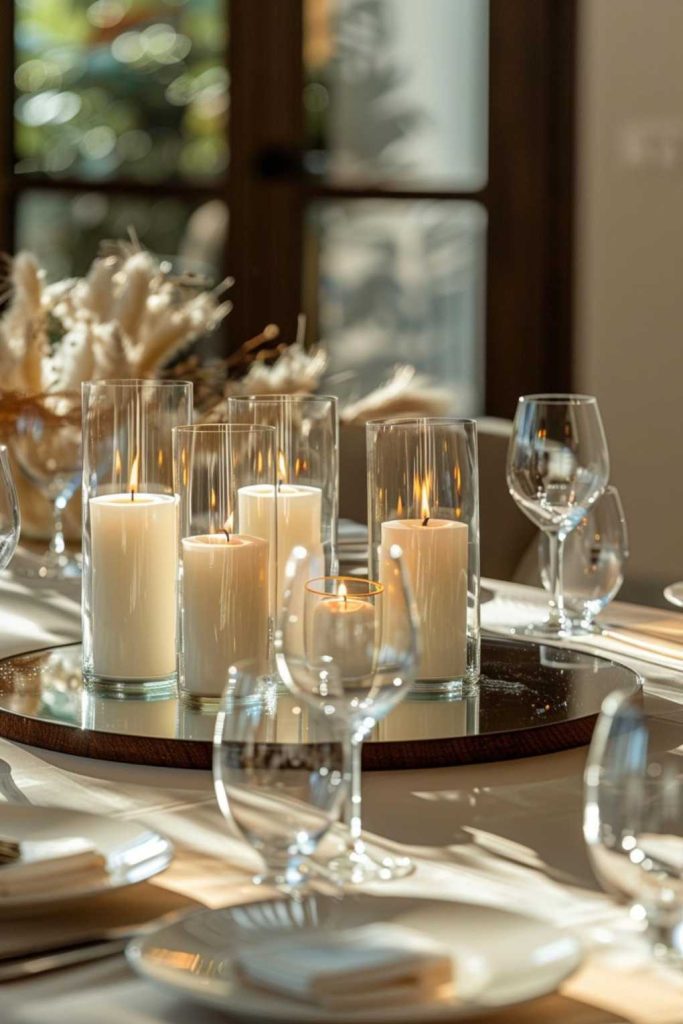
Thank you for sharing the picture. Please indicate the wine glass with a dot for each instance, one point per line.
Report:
(47, 447)
(592, 563)
(277, 776)
(557, 466)
(10, 522)
(348, 647)
(633, 820)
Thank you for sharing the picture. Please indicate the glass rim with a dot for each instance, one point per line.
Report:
(137, 382)
(223, 428)
(409, 421)
(283, 398)
(378, 587)
(558, 398)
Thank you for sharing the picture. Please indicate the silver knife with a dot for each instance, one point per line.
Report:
(27, 966)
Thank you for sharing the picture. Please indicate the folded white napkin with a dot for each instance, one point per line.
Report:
(356, 968)
(33, 868)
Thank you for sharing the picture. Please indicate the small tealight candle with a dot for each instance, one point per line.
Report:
(343, 632)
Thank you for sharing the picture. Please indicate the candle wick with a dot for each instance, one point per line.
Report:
(132, 494)
(425, 520)
(279, 485)
(227, 535)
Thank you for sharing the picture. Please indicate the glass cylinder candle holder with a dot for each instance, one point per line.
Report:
(225, 595)
(305, 493)
(130, 533)
(423, 495)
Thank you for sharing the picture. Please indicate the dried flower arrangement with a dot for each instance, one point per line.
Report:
(131, 316)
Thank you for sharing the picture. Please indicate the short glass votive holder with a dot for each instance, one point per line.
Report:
(130, 533)
(307, 478)
(226, 587)
(423, 487)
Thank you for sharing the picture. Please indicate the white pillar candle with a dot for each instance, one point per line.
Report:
(134, 552)
(298, 512)
(225, 609)
(435, 559)
(344, 630)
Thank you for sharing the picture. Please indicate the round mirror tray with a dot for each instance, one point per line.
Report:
(532, 699)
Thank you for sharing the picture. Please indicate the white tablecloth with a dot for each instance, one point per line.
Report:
(506, 833)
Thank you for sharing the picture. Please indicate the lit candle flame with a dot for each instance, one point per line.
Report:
(227, 526)
(281, 468)
(133, 486)
(424, 501)
(343, 592)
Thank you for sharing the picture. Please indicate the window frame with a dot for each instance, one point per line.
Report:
(528, 197)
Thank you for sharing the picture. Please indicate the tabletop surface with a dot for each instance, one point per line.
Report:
(505, 834)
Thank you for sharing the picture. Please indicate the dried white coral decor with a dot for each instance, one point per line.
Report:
(128, 317)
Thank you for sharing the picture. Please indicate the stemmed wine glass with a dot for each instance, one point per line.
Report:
(9, 511)
(277, 776)
(47, 447)
(593, 560)
(348, 647)
(557, 466)
(633, 819)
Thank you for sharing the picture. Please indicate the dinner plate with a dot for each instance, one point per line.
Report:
(501, 957)
(133, 853)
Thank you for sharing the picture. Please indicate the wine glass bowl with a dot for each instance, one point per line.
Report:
(47, 448)
(348, 647)
(633, 820)
(9, 511)
(594, 554)
(557, 467)
(277, 776)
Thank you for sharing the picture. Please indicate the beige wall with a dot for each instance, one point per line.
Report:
(629, 251)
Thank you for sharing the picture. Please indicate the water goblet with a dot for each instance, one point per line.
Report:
(557, 466)
(633, 820)
(277, 776)
(348, 647)
(593, 562)
(47, 447)
(10, 521)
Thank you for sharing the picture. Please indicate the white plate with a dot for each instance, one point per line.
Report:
(501, 958)
(133, 853)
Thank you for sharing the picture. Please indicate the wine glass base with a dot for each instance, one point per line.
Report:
(569, 630)
(358, 867)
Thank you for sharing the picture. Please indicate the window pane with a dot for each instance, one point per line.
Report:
(134, 88)
(64, 230)
(398, 90)
(398, 281)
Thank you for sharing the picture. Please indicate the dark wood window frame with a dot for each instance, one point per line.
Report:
(528, 197)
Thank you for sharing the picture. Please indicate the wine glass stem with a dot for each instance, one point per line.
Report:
(352, 772)
(557, 614)
(57, 544)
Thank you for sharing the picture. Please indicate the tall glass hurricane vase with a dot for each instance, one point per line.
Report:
(557, 466)
(306, 490)
(423, 495)
(130, 532)
(224, 587)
